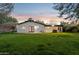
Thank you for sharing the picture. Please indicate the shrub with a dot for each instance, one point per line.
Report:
(71, 28)
(74, 29)
(54, 31)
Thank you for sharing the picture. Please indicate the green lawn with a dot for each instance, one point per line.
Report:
(39, 43)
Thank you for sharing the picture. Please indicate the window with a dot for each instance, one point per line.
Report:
(36, 27)
(59, 28)
(23, 27)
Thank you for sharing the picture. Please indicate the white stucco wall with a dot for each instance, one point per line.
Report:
(23, 28)
(48, 29)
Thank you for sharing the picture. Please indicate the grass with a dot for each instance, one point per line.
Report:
(39, 43)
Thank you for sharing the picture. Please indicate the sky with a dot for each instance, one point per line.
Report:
(37, 11)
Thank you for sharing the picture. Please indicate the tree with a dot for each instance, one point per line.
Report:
(5, 10)
(68, 10)
(9, 19)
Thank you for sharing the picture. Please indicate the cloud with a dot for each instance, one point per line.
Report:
(46, 19)
(43, 13)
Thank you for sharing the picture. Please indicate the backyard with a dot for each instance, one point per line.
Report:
(39, 43)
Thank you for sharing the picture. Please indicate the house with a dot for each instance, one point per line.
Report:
(30, 26)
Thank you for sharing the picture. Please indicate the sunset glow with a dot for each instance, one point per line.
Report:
(37, 11)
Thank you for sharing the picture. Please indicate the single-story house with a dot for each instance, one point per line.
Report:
(30, 26)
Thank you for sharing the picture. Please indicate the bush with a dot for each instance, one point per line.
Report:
(54, 31)
(74, 29)
(70, 28)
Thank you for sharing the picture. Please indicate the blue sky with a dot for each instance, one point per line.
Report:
(35, 9)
